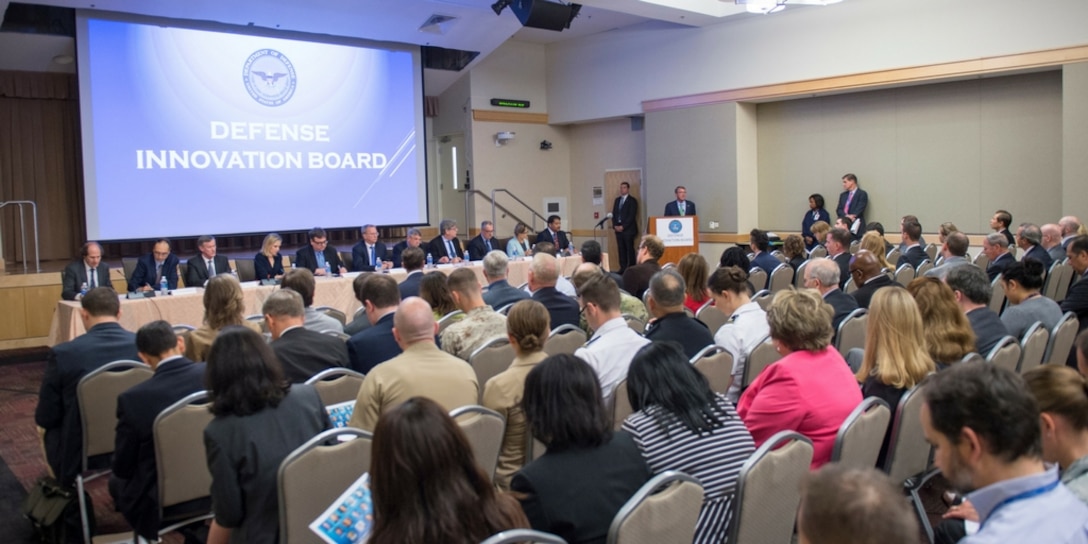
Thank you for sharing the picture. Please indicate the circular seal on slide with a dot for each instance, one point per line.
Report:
(675, 226)
(269, 77)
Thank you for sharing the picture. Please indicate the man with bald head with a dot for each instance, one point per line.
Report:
(543, 275)
(1070, 226)
(869, 276)
(422, 370)
(1052, 242)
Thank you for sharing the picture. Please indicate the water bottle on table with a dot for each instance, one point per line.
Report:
(328, 269)
(164, 288)
(430, 261)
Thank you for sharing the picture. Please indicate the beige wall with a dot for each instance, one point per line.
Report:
(595, 149)
(1075, 140)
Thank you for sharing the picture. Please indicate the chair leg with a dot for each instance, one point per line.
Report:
(914, 486)
(84, 522)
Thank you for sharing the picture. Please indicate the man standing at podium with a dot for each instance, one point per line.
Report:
(681, 206)
(625, 223)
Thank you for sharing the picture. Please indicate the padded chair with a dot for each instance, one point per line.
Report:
(854, 247)
(860, 436)
(852, 330)
(763, 356)
(522, 536)
(183, 270)
(564, 339)
(333, 313)
(447, 320)
(337, 385)
(818, 252)
(182, 328)
(128, 264)
(1033, 347)
(926, 266)
(799, 276)
(505, 309)
(758, 278)
(982, 261)
(315, 475)
(1055, 276)
(997, 299)
(780, 256)
(781, 278)
(484, 429)
(931, 251)
(769, 490)
(764, 298)
(850, 286)
(621, 404)
(972, 358)
(247, 270)
(711, 316)
(893, 255)
(182, 463)
(1064, 283)
(96, 396)
(646, 300)
(716, 363)
(1006, 354)
(908, 451)
(664, 509)
(634, 323)
(904, 274)
(490, 359)
(1061, 339)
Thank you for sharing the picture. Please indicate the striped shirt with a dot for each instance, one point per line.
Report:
(714, 458)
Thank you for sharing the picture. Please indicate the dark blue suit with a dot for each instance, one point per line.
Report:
(144, 274)
(989, 330)
(768, 263)
(673, 208)
(306, 258)
(197, 272)
(267, 271)
(806, 225)
(410, 286)
(1037, 253)
(857, 208)
(501, 293)
(914, 255)
(562, 309)
(546, 236)
(360, 257)
(477, 249)
(1076, 301)
(437, 249)
(303, 353)
(373, 346)
(399, 248)
(135, 491)
(997, 266)
(690, 333)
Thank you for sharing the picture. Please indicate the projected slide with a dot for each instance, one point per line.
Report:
(190, 132)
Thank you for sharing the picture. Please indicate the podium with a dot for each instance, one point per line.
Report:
(679, 233)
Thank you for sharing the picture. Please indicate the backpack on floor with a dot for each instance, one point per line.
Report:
(51, 508)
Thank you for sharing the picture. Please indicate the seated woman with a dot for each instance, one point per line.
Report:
(588, 472)
(527, 325)
(255, 410)
(747, 324)
(794, 250)
(946, 229)
(819, 233)
(436, 292)
(519, 246)
(223, 306)
(948, 334)
(693, 269)
(816, 213)
(426, 484)
(681, 424)
(268, 263)
(810, 390)
(874, 242)
(1022, 281)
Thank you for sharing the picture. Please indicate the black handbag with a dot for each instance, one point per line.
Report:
(49, 505)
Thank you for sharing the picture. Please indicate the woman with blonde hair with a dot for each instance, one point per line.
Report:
(223, 306)
(946, 229)
(268, 263)
(794, 250)
(819, 233)
(874, 242)
(1062, 395)
(948, 334)
(527, 327)
(693, 268)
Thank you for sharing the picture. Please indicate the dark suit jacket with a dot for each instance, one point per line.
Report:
(636, 279)
(1076, 301)
(501, 293)
(843, 304)
(304, 352)
(857, 206)
(865, 292)
(808, 221)
(477, 249)
(58, 410)
(306, 258)
(1057, 253)
(134, 454)
(267, 271)
(843, 260)
(606, 478)
(989, 330)
(998, 266)
(768, 263)
(689, 332)
(1008, 236)
(562, 309)
(373, 345)
(437, 248)
(546, 236)
(913, 256)
(410, 286)
(673, 209)
(626, 216)
(197, 272)
(75, 275)
(399, 248)
(1039, 254)
(360, 258)
(145, 272)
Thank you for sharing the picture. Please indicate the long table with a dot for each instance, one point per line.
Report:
(186, 306)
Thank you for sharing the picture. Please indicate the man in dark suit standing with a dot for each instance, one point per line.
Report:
(852, 204)
(88, 271)
(870, 277)
(838, 241)
(376, 344)
(543, 274)
(413, 239)
(302, 352)
(625, 223)
(996, 247)
(153, 267)
(201, 268)
(483, 243)
(316, 256)
(823, 276)
(1076, 300)
(369, 255)
(681, 206)
(446, 247)
(413, 264)
(670, 323)
(913, 254)
(554, 234)
(134, 483)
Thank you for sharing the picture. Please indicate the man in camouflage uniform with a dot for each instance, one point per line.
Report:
(481, 322)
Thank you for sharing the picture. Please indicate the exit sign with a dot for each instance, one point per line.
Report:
(509, 103)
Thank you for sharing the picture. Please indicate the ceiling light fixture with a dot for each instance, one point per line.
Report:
(766, 7)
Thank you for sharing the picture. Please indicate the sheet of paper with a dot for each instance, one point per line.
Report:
(349, 519)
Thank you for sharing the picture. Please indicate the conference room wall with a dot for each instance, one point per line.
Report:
(1075, 139)
(596, 148)
(944, 152)
(660, 60)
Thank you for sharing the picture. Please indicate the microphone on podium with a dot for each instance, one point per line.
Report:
(601, 223)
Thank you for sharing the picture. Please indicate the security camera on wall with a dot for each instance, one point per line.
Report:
(502, 137)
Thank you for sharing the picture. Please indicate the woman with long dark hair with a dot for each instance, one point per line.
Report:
(681, 424)
(259, 420)
(426, 484)
(434, 289)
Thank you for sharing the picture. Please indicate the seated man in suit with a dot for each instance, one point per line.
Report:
(913, 254)
(1029, 237)
(422, 370)
(153, 267)
(413, 239)
(838, 250)
(869, 276)
(499, 292)
(591, 253)
(1000, 222)
(761, 244)
(1052, 242)
(301, 281)
(446, 247)
(973, 294)
(1070, 228)
(681, 206)
(319, 255)
(543, 274)
(1076, 300)
(301, 351)
(375, 344)
(483, 243)
(996, 247)
(823, 276)
(413, 264)
(670, 323)
(370, 255)
(481, 322)
(86, 273)
(903, 241)
(954, 251)
(637, 278)
(201, 268)
(134, 483)
(358, 321)
(563, 284)
(554, 234)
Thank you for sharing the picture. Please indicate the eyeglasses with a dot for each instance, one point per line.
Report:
(321, 242)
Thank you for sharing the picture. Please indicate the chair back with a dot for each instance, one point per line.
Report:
(621, 404)
(769, 489)
(931, 251)
(852, 329)
(315, 475)
(1033, 347)
(97, 394)
(799, 276)
(781, 278)
(484, 429)
(764, 298)
(180, 458)
(763, 356)
(757, 277)
(711, 316)
(333, 313)
(664, 509)
(1064, 283)
(182, 328)
(336, 385)
(447, 320)
(908, 451)
(858, 443)
(564, 339)
(854, 247)
(247, 270)
(522, 536)
(1054, 276)
(982, 261)
(893, 255)
(1006, 354)
(128, 264)
(904, 274)
(926, 266)
(850, 286)
(490, 359)
(997, 299)
(716, 363)
(1061, 339)
(782, 258)
(635, 323)
(972, 357)
(505, 309)
(818, 252)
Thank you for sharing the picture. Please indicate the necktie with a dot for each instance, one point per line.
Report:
(211, 268)
(449, 250)
(94, 282)
(158, 274)
(373, 256)
(682, 206)
(555, 240)
(487, 244)
(846, 207)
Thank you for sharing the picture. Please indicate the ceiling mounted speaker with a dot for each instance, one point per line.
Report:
(544, 14)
